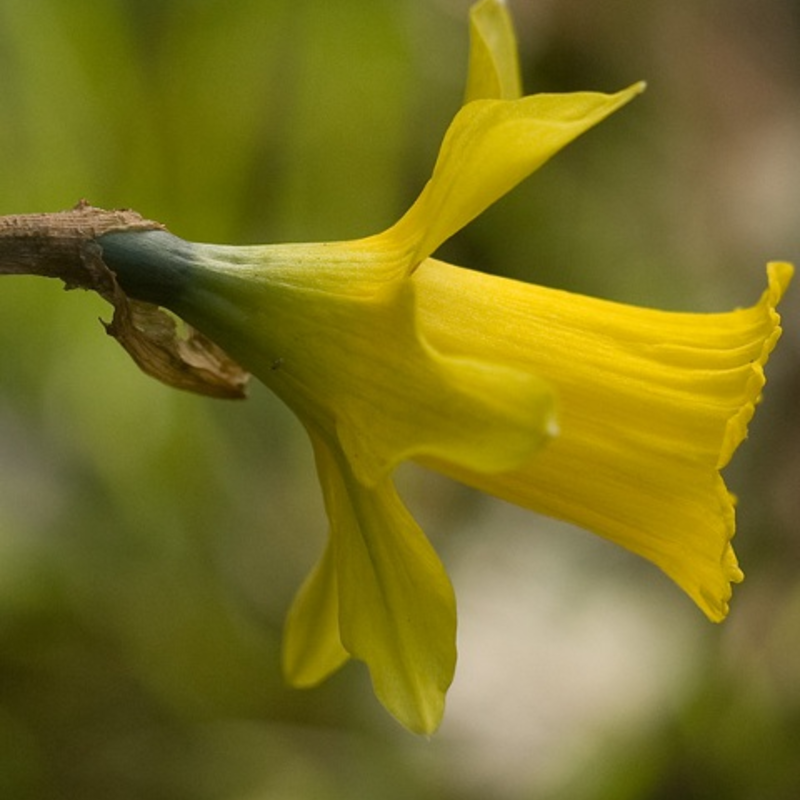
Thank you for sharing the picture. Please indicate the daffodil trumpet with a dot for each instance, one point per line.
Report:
(616, 418)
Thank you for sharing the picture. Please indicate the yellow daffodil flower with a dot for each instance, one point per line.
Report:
(612, 417)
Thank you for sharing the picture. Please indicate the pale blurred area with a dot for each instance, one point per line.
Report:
(151, 542)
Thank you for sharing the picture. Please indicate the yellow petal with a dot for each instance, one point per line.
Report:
(397, 610)
(490, 147)
(312, 649)
(493, 62)
(651, 405)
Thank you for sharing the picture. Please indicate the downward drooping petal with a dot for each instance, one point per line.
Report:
(652, 405)
(312, 646)
(379, 594)
(490, 147)
(395, 603)
(493, 60)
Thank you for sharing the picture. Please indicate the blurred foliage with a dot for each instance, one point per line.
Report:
(150, 542)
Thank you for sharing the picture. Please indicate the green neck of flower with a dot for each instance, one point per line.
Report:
(152, 266)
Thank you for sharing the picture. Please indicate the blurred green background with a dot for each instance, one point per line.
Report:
(151, 542)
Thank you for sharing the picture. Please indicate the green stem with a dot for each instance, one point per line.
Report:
(152, 266)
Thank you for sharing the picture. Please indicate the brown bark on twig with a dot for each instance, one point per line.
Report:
(57, 245)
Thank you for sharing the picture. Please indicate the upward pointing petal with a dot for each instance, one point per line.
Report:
(490, 147)
(493, 61)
